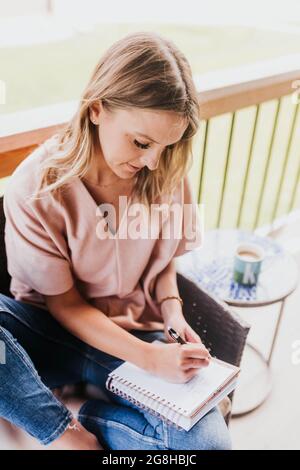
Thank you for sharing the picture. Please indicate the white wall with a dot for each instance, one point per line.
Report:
(22, 7)
(198, 11)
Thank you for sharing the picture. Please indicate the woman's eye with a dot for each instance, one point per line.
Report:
(146, 146)
(140, 145)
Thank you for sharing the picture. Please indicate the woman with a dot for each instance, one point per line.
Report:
(92, 285)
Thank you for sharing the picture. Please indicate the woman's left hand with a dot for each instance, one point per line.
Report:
(180, 325)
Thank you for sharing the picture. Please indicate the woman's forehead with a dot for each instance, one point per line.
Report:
(162, 127)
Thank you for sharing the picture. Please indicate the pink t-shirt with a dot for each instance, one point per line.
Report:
(52, 245)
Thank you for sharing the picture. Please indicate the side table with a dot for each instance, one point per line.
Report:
(211, 267)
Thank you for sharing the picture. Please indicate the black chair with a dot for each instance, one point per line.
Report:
(221, 330)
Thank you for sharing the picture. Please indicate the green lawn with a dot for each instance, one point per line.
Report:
(50, 73)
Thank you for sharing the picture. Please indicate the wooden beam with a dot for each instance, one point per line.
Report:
(25, 139)
(231, 98)
(220, 92)
(10, 160)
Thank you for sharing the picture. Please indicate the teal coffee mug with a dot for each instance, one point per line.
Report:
(247, 263)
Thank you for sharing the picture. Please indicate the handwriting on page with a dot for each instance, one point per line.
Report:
(206, 380)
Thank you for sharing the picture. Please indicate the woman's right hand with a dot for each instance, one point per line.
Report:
(176, 362)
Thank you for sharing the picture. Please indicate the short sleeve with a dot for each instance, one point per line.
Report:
(36, 251)
(192, 226)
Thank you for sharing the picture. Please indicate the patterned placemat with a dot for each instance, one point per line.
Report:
(215, 273)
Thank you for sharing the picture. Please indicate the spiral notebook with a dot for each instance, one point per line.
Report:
(180, 404)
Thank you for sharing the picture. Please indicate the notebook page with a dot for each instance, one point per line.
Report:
(187, 396)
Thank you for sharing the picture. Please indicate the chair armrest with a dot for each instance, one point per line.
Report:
(222, 331)
(4, 276)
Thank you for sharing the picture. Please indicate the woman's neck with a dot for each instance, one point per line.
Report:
(99, 172)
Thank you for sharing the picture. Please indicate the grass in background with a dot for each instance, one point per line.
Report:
(51, 73)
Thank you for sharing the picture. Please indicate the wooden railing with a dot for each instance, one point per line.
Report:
(246, 166)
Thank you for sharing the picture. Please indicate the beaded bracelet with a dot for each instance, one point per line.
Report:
(171, 297)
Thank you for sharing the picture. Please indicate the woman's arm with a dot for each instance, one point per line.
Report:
(171, 309)
(166, 285)
(94, 328)
(173, 362)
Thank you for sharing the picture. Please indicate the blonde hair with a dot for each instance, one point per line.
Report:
(141, 70)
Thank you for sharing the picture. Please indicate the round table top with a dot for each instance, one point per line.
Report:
(211, 267)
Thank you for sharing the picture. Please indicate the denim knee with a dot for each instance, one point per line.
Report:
(214, 433)
(220, 440)
(209, 433)
(31, 406)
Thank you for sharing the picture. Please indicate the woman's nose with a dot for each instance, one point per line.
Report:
(151, 161)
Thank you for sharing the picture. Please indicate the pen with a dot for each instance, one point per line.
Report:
(174, 335)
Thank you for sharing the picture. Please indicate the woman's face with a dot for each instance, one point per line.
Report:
(132, 139)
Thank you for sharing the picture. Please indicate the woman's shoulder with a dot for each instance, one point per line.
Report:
(25, 179)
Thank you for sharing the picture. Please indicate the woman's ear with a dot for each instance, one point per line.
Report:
(94, 112)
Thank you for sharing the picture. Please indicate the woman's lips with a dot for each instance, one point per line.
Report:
(132, 168)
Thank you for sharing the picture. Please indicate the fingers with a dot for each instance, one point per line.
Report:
(195, 350)
(190, 373)
(195, 364)
(193, 339)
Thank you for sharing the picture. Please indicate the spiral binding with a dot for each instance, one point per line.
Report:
(139, 393)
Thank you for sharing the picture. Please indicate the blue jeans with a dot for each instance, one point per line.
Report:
(40, 355)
